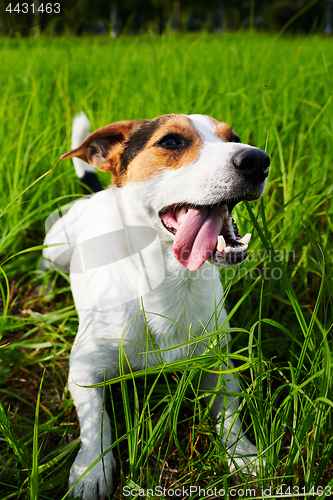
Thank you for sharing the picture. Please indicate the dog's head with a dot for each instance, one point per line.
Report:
(196, 170)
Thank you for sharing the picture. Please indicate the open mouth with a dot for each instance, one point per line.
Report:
(205, 233)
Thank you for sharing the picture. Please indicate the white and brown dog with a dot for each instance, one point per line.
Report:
(142, 245)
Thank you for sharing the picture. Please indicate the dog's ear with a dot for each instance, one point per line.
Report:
(103, 148)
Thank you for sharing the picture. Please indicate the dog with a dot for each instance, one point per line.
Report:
(152, 243)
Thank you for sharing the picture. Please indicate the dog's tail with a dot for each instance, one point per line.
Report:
(86, 173)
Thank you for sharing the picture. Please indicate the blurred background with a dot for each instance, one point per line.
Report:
(116, 17)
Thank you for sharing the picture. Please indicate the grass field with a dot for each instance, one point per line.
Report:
(277, 94)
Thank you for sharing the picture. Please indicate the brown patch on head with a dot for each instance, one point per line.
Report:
(167, 142)
(225, 132)
(103, 148)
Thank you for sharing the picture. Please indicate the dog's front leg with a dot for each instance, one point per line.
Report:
(89, 407)
(223, 410)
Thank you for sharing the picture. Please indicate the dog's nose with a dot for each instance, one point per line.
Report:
(252, 164)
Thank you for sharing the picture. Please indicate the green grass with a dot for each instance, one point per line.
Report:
(282, 344)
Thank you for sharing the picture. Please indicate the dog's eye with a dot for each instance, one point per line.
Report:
(170, 141)
(234, 138)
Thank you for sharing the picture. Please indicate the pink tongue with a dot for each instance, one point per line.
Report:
(196, 237)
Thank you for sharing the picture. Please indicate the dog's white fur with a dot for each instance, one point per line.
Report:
(109, 297)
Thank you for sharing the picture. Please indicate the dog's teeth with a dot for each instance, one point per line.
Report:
(221, 243)
(228, 221)
(241, 249)
(181, 215)
(225, 212)
(238, 249)
(246, 239)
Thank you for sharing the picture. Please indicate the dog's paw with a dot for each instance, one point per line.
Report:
(249, 465)
(97, 483)
(244, 458)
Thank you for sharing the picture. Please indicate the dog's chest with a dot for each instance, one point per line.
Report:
(183, 308)
(178, 311)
